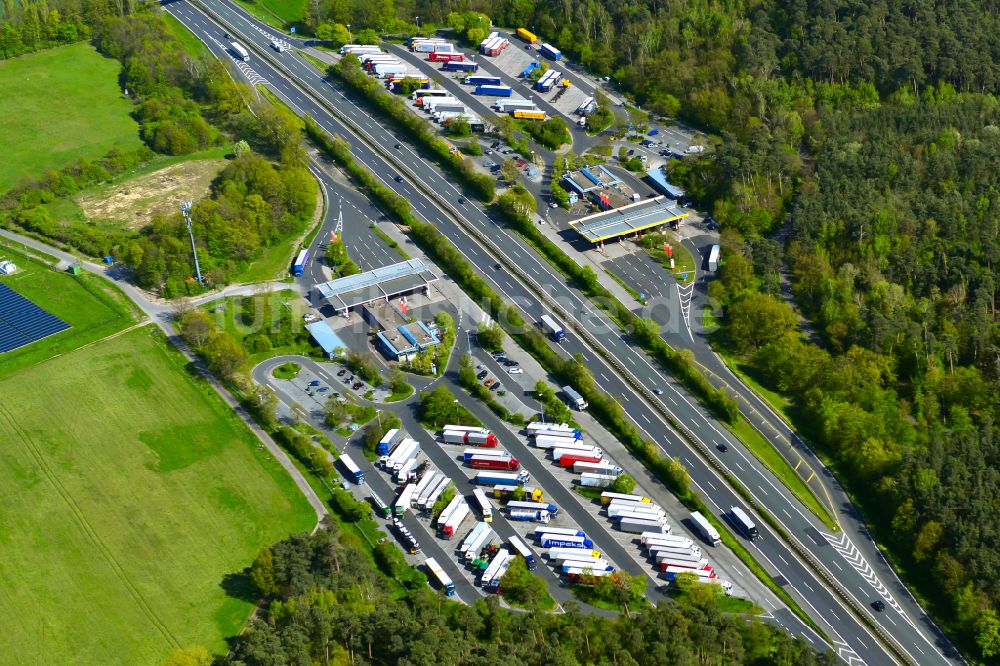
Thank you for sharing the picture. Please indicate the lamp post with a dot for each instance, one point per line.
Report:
(418, 24)
(350, 37)
(186, 211)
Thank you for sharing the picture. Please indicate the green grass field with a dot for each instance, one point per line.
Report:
(86, 302)
(59, 105)
(278, 13)
(131, 492)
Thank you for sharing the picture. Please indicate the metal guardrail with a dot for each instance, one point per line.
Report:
(619, 367)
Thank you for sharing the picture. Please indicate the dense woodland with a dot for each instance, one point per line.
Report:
(328, 605)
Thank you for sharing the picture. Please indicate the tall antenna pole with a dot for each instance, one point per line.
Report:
(186, 211)
(340, 218)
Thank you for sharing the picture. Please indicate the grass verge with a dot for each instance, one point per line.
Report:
(388, 240)
(287, 370)
(774, 461)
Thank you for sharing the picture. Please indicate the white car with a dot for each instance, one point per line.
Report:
(515, 371)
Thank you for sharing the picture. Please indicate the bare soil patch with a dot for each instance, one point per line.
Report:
(136, 201)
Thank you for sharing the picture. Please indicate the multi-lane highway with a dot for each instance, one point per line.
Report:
(305, 90)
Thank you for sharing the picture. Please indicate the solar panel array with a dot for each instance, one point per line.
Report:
(22, 322)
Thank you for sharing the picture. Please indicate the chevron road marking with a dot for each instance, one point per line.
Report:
(248, 71)
(845, 652)
(845, 547)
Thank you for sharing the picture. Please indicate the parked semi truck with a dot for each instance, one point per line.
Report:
(570, 458)
(527, 514)
(468, 454)
(483, 438)
(494, 90)
(439, 56)
(389, 442)
(574, 450)
(353, 472)
(564, 541)
(455, 66)
(485, 462)
(705, 529)
(550, 51)
(536, 428)
(557, 441)
(534, 506)
(454, 521)
(640, 525)
(482, 81)
(501, 478)
(607, 498)
(592, 480)
(438, 574)
(522, 549)
(602, 467)
(650, 539)
(526, 36)
(507, 492)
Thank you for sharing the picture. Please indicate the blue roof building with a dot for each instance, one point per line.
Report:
(658, 179)
(329, 342)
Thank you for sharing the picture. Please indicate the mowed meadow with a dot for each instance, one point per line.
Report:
(57, 106)
(132, 493)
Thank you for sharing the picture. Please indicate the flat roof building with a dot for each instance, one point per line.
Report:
(589, 179)
(658, 179)
(629, 220)
(407, 340)
(329, 342)
(385, 283)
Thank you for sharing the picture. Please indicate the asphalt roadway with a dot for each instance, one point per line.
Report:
(851, 639)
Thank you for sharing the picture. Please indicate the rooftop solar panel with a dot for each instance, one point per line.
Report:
(22, 322)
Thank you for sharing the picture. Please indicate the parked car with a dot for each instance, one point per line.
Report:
(520, 163)
(654, 132)
(323, 389)
(553, 204)
(489, 382)
(496, 386)
(314, 382)
(510, 363)
(516, 371)
(357, 385)
(342, 373)
(489, 164)
(499, 356)
(482, 375)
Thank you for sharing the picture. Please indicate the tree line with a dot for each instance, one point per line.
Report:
(327, 604)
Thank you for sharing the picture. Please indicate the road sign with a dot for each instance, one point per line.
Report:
(684, 276)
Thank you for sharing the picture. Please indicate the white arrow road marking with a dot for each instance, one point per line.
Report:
(850, 552)
(845, 652)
